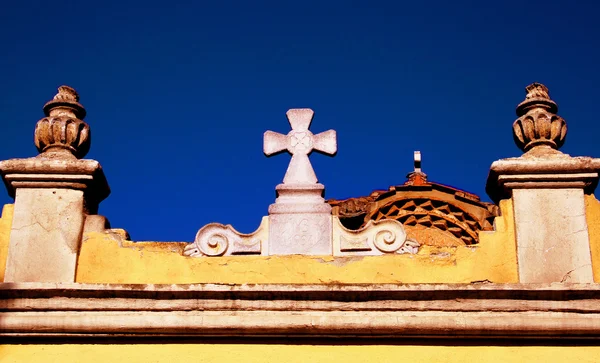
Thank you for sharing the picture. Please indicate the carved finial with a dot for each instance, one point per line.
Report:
(66, 93)
(65, 102)
(537, 90)
(538, 124)
(63, 133)
(417, 177)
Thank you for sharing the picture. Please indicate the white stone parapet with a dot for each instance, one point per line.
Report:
(300, 221)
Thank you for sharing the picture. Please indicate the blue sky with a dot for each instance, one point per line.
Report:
(179, 94)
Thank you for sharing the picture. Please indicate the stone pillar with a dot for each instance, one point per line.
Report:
(547, 188)
(54, 192)
(300, 221)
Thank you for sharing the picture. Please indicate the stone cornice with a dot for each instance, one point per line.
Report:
(554, 171)
(516, 311)
(43, 172)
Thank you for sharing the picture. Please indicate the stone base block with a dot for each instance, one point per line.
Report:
(45, 235)
(552, 235)
(301, 233)
(53, 197)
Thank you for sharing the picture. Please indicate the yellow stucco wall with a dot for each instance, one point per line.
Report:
(108, 258)
(592, 208)
(293, 353)
(5, 224)
(105, 258)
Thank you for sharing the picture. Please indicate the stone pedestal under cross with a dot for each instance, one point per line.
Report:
(300, 220)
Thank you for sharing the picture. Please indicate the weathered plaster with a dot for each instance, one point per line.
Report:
(5, 224)
(105, 258)
(251, 353)
(592, 207)
(371, 312)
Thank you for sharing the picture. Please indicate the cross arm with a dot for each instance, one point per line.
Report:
(274, 143)
(326, 142)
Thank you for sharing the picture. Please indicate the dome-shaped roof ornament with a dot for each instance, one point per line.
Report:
(416, 177)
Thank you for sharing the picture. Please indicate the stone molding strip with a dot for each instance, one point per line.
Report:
(557, 172)
(41, 172)
(484, 310)
(547, 181)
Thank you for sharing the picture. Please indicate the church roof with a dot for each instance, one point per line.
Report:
(433, 213)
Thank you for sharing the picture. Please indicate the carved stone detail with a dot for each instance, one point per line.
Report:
(300, 142)
(56, 196)
(300, 233)
(63, 132)
(215, 239)
(538, 124)
(300, 220)
(547, 189)
(375, 238)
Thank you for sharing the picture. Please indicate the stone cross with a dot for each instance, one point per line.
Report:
(300, 220)
(300, 142)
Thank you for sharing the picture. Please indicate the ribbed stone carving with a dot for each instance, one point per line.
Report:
(63, 131)
(538, 124)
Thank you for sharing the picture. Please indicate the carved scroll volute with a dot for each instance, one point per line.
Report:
(212, 241)
(215, 239)
(538, 124)
(375, 238)
(63, 133)
(386, 240)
